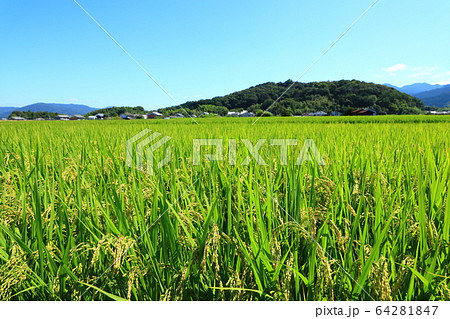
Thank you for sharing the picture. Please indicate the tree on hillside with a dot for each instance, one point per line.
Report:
(29, 115)
(116, 111)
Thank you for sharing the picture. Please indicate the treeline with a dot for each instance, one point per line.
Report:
(116, 111)
(342, 96)
(29, 115)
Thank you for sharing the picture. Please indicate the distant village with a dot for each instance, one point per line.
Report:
(157, 115)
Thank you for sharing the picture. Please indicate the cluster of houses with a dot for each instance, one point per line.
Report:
(154, 115)
(320, 113)
(439, 113)
(244, 113)
(61, 117)
(360, 112)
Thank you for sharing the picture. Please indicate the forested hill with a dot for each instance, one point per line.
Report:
(343, 96)
(114, 111)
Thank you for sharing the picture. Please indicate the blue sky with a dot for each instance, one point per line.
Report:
(52, 52)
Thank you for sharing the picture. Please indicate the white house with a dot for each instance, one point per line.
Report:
(245, 113)
(177, 116)
(62, 117)
(440, 112)
(127, 116)
(320, 113)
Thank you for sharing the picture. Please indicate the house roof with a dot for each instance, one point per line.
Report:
(361, 111)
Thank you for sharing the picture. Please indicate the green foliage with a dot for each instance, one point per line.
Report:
(29, 115)
(312, 97)
(209, 108)
(263, 113)
(116, 111)
(219, 110)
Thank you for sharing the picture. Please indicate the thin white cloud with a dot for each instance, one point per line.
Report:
(420, 73)
(442, 82)
(395, 68)
(441, 75)
(423, 71)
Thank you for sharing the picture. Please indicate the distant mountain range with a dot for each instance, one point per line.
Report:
(5, 111)
(438, 97)
(415, 88)
(69, 109)
(431, 95)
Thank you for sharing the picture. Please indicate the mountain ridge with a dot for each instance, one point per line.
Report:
(415, 88)
(437, 97)
(5, 111)
(68, 109)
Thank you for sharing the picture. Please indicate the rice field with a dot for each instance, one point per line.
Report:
(373, 223)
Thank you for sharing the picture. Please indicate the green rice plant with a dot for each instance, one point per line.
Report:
(372, 223)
